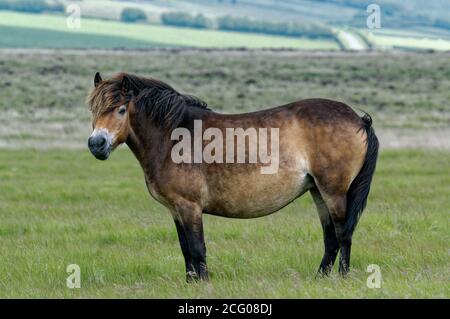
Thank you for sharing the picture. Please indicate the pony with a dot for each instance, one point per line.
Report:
(323, 147)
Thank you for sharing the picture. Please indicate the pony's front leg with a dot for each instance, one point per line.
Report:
(184, 246)
(188, 219)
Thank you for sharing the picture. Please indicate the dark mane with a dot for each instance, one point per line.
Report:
(155, 99)
(165, 107)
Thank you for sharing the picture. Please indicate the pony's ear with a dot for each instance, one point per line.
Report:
(97, 79)
(125, 86)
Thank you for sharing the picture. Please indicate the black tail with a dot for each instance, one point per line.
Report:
(359, 189)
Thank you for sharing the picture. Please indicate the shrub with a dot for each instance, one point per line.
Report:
(276, 28)
(133, 15)
(182, 19)
(33, 6)
(443, 24)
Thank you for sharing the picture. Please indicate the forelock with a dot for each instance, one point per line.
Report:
(104, 97)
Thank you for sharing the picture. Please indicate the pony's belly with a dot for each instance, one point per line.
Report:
(250, 201)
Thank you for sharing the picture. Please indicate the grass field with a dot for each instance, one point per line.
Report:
(401, 90)
(388, 39)
(64, 207)
(13, 37)
(150, 34)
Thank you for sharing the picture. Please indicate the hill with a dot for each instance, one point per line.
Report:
(300, 24)
(20, 30)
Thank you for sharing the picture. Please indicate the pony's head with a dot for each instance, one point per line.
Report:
(118, 100)
(111, 102)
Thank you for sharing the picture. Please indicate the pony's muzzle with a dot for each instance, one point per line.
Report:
(100, 146)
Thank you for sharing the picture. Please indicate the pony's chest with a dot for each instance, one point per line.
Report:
(155, 192)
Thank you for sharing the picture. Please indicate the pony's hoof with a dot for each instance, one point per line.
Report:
(323, 272)
(192, 276)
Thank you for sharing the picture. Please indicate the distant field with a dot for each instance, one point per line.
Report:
(403, 90)
(272, 10)
(405, 20)
(24, 37)
(412, 33)
(329, 12)
(43, 92)
(20, 30)
(63, 207)
(387, 39)
(141, 34)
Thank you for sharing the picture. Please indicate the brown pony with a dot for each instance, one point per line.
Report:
(324, 147)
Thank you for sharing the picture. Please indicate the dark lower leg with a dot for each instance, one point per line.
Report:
(344, 259)
(197, 249)
(188, 216)
(345, 244)
(331, 249)
(184, 247)
(329, 236)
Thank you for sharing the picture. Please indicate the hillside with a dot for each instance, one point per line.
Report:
(18, 30)
(299, 24)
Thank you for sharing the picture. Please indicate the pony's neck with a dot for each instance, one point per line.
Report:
(148, 143)
(151, 144)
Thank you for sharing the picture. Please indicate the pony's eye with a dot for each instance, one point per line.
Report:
(122, 110)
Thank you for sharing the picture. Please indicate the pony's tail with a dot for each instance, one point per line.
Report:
(360, 187)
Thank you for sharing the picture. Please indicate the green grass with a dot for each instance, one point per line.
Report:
(19, 37)
(63, 207)
(169, 36)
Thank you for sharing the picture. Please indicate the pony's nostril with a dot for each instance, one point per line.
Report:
(101, 141)
(97, 141)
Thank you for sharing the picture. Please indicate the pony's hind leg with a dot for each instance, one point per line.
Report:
(337, 206)
(329, 236)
